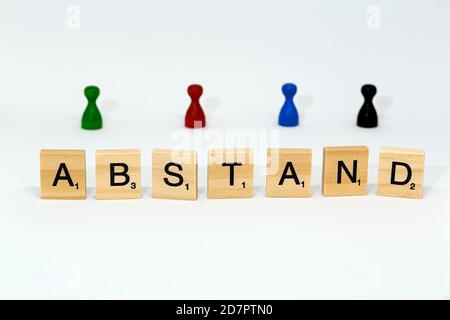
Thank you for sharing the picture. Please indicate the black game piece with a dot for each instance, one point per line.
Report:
(367, 116)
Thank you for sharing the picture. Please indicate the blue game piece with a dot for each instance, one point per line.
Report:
(288, 113)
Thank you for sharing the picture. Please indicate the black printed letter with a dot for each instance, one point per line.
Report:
(285, 175)
(352, 177)
(59, 176)
(114, 174)
(173, 174)
(394, 169)
(231, 165)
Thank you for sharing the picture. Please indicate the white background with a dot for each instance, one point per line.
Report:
(143, 55)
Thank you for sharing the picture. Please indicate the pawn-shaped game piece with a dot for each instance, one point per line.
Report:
(288, 114)
(92, 118)
(367, 116)
(195, 117)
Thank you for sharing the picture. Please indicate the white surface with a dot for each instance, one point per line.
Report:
(142, 55)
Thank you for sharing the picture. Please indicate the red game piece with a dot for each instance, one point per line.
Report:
(195, 117)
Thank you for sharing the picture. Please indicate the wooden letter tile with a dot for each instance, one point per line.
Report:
(118, 174)
(400, 172)
(344, 171)
(288, 173)
(174, 174)
(63, 174)
(230, 173)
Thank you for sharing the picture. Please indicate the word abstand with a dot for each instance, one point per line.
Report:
(230, 173)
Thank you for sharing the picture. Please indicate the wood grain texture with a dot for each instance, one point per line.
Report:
(286, 160)
(401, 187)
(220, 185)
(169, 186)
(74, 162)
(104, 189)
(346, 155)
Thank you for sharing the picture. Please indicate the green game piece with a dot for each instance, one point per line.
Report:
(92, 118)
